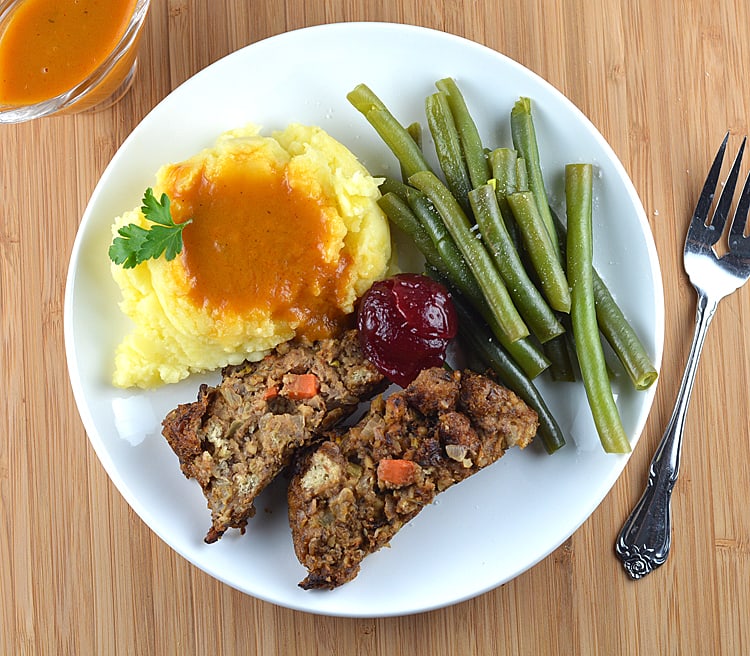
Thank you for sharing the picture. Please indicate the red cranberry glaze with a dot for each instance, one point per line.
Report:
(405, 324)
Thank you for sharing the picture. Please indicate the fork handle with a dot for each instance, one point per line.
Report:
(645, 538)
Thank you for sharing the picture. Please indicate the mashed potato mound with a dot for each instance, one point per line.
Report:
(286, 234)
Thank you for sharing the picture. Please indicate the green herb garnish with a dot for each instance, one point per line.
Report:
(137, 244)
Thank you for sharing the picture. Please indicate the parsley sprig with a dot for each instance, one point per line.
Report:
(137, 244)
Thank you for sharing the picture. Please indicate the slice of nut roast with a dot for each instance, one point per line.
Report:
(353, 492)
(239, 435)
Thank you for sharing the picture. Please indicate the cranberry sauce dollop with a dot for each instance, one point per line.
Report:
(405, 324)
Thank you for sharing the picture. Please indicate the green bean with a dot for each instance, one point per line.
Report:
(480, 342)
(524, 140)
(504, 167)
(474, 253)
(524, 351)
(415, 132)
(622, 338)
(616, 329)
(561, 367)
(522, 176)
(448, 147)
(541, 251)
(578, 198)
(392, 185)
(400, 214)
(396, 136)
(471, 142)
(503, 164)
(530, 303)
(433, 225)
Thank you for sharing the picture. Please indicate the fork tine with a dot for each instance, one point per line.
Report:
(739, 221)
(709, 187)
(725, 200)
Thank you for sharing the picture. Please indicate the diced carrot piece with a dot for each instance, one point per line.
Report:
(397, 472)
(271, 392)
(301, 386)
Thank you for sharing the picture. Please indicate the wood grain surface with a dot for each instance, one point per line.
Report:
(81, 574)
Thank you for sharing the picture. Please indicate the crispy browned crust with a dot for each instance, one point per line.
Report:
(234, 439)
(450, 424)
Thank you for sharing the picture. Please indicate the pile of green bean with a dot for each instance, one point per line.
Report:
(524, 284)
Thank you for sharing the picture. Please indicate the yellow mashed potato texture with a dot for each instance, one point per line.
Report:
(285, 235)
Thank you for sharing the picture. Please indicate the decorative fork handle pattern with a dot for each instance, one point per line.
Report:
(645, 538)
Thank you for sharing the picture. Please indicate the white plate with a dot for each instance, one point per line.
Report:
(479, 534)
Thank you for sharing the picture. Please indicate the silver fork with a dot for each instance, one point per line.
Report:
(645, 538)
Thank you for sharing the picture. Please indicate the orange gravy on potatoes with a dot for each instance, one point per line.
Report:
(256, 243)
